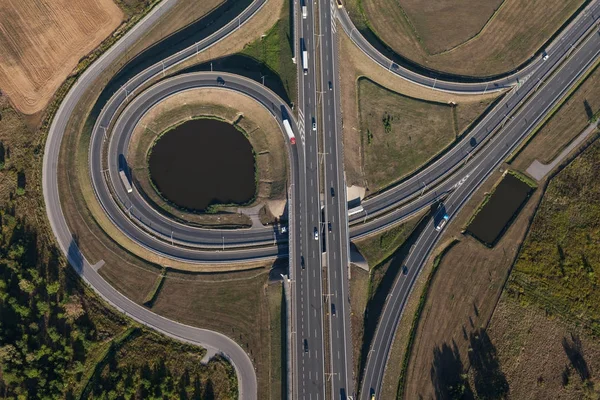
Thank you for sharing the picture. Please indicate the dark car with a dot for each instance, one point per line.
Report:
(329, 226)
(332, 192)
(330, 86)
(305, 346)
(220, 81)
(333, 309)
(404, 269)
(302, 261)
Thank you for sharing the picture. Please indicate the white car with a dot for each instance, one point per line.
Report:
(316, 233)
(314, 126)
(545, 56)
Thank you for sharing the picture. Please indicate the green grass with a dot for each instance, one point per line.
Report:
(274, 51)
(559, 264)
(399, 134)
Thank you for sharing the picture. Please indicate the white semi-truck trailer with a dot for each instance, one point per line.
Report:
(305, 61)
(288, 130)
(125, 181)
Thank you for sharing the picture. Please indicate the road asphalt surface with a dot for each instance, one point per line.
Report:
(305, 187)
(473, 174)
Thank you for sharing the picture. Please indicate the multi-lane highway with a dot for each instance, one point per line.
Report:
(317, 190)
(562, 76)
(336, 228)
(309, 367)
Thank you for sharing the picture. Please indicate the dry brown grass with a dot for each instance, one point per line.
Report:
(430, 35)
(531, 351)
(41, 42)
(353, 65)
(262, 131)
(568, 122)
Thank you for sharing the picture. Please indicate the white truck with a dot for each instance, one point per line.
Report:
(304, 12)
(125, 181)
(288, 130)
(305, 61)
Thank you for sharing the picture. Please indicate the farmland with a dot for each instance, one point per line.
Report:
(486, 42)
(41, 42)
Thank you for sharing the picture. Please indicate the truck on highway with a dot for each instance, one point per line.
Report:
(304, 11)
(125, 181)
(289, 131)
(305, 61)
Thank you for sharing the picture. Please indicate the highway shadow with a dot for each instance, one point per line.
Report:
(376, 303)
(448, 374)
(74, 255)
(177, 41)
(248, 67)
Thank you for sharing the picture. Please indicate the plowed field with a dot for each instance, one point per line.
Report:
(41, 42)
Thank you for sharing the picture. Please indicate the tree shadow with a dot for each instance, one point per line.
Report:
(448, 375)
(490, 381)
(588, 109)
(574, 351)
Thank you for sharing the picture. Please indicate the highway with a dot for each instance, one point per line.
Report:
(472, 175)
(169, 238)
(337, 298)
(309, 364)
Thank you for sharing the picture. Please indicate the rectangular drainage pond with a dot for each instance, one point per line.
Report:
(501, 208)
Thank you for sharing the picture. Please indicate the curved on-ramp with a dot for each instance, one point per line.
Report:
(67, 243)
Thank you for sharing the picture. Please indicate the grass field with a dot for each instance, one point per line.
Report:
(261, 129)
(355, 66)
(399, 133)
(235, 304)
(43, 41)
(544, 330)
(540, 356)
(484, 43)
(558, 266)
(566, 124)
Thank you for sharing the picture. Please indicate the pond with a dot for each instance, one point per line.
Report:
(203, 162)
(499, 211)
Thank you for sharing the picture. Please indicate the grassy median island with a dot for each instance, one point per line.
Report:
(499, 37)
(399, 134)
(258, 126)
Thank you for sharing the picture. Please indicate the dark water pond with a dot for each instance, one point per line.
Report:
(500, 210)
(203, 162)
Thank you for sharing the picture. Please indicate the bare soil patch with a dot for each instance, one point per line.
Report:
(260, 127)
(354, 65)
(484, 43)
(42, 42)
(568, 122)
